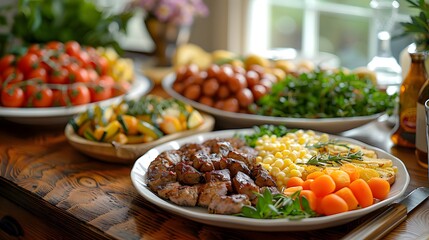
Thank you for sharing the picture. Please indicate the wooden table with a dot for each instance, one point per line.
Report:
(48, 190)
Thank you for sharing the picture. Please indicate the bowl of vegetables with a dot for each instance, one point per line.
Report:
(243, 96)
(122, 132)
(48, 83)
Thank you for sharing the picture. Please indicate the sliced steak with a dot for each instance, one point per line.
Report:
(187, 174)
(243, 184)
(219, 176)
(228, 204)
(262, 176)
(209, 190)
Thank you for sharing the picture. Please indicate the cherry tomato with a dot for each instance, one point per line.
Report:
(39, 74)
(12, 96)
(72, 48)
(83, 58)
(100, 91)
(59, 98)
(79, 75)
(93, 75)
(54, 45)
(42, 97)
(12, 75)
(121, 88)
(107, 80)
(7, 61)
(59, 76)
(100, 64)
(79, 94)
(28, 62)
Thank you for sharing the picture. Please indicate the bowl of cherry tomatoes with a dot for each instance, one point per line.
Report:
(49, 83)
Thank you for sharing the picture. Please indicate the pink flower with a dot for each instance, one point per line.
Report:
(179, 12)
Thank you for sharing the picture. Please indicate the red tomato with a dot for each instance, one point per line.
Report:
(100, 64)
(72, 48)
(83, 58)
(12, 75)
(59, 98)
(107, 80)
(101, 91)
(12, 96)
(79, 94)
(35, 49)
(93, 75)
(54, 45)
(59, 76)
(7, 61)
(79, 75)
(28, 62)
(41, 97)
(39, 74)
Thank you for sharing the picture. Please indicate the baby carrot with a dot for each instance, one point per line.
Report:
(333, 204)
(323, 185)
(347, 195)
(341, 179)
(380, 187)
(294, 181)
(362, 192)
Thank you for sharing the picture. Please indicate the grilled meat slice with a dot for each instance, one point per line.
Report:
(161, 170)
(262, 176)
(189, 149)
(228, 204)
(163, 178)
(222, 148)
(167, 190)
(184, 195)
(209, 190)
(243, 184)
(234, 166)
(201, 160)
(219, 176)
(273, 190)
(249, 161)
(187, 174)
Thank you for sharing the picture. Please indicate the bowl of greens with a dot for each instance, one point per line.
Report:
(324, 101)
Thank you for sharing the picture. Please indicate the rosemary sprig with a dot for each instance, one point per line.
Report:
(338, 159)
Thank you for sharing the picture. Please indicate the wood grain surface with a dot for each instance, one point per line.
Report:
(81, 198)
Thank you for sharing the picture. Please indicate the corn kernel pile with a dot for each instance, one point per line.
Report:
(282, 156)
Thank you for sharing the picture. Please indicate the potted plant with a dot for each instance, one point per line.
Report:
(418, 28)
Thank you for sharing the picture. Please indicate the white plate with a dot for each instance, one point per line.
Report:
(61, 115)
(138, 178)
(229, 120)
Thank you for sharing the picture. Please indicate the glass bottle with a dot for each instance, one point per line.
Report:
(405, 131)
(421, 142)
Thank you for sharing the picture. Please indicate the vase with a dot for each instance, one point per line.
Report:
(166, 37)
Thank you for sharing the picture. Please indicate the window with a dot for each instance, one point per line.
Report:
(341, 27)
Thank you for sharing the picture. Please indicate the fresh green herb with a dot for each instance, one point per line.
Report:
(271, 206)
(321, 94)
(259, 131)
(338, 159)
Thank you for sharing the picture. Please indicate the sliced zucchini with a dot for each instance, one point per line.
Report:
(123, 123)
(195, 119)
(89, 135)
(148, 129)
(112, 129)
